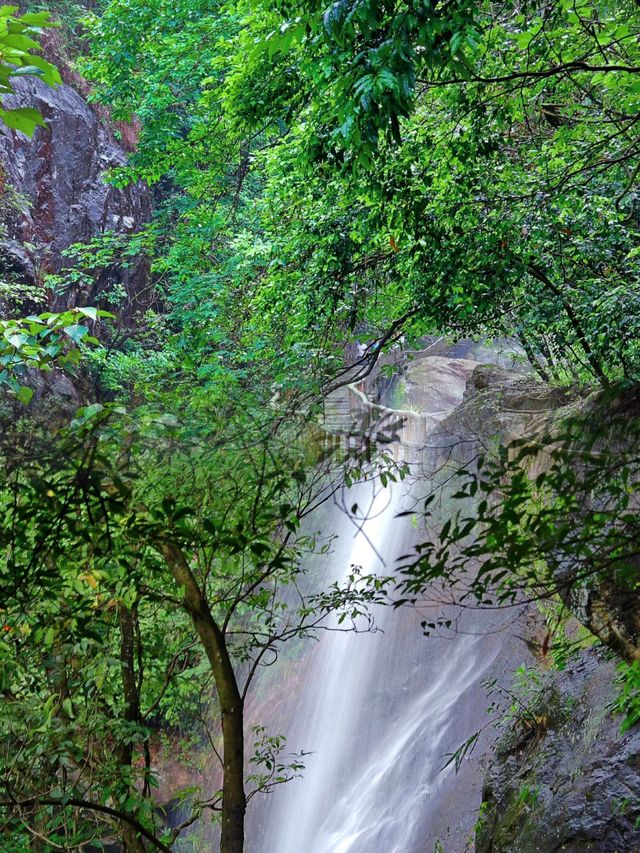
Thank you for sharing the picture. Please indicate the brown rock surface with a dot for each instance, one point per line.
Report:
(62, 197)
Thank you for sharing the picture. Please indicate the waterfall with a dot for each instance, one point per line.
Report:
(328, 716)
(379, 712)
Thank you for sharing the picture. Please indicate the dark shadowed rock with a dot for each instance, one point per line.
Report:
(574, 783)
(62, 198)
(564, 779)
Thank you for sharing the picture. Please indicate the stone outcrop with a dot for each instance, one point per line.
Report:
(573, 782)
(59, 196)
(566, 778)
(500, 403)
(601, 433)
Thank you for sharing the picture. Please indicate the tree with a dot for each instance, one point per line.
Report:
(126, 517)
(504, 200)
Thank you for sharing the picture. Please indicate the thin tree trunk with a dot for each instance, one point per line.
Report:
(234, 802)
(531, 357)
(130, 839)
(547, 350)
(594, 364)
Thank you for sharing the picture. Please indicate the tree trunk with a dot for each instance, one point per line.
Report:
(532, 358)
(234, 802)
(131, 841)
(579, 332)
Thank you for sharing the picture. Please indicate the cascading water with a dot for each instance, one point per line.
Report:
(327, 719)
(379, 712)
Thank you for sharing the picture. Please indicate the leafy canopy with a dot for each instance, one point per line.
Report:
(19, 57)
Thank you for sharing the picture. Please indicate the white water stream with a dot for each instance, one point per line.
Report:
(379, 712)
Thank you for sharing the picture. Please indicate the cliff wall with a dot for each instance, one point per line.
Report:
(55, 195)
(565, 776)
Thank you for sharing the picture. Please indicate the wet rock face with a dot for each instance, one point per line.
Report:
(61, 194)
(436, 384)
(503, 403)
(573, 785)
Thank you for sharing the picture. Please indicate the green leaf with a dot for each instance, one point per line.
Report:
(24, 119)
(24, 395)
(76, 332)
(89, 311)
(17, 340)
(38, 19)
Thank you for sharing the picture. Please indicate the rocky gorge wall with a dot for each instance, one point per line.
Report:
(55, 194)
(564, 775)
(571, 782)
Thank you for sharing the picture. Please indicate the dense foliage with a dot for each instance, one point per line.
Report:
(464, 166)
(323, 177)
